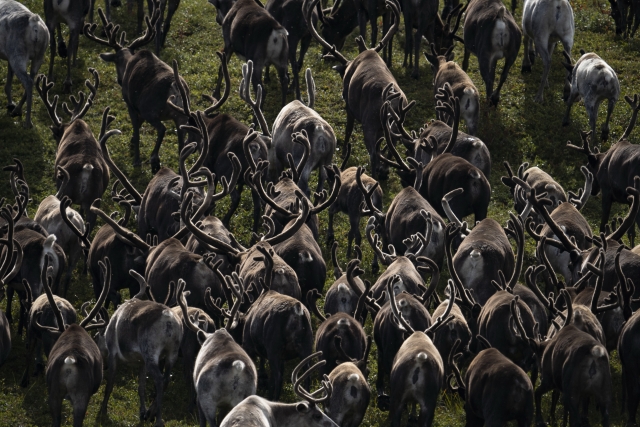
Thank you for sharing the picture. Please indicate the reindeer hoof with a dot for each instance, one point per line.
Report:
(494, 100)
(605, 135)
(383, 402)
(62, 50)
(565, 122)
(66, 87)
(525, 69)
(330, 239)
(11, 107)
(415, 74)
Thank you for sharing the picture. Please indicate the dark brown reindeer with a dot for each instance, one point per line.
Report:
(417, 375)
(74, 366)
(340, 336)
(491, 33)
(344, 293)
(78, 151)
(147, 82)
(574, 363)
(388, 334)
(408, 214)
(367, 82)
(337, 23)
(42, 315)
(226, 135)
(350, 198)
(73, 14)
(615, 169)
(249, 30)
(271, 414)
(351, 392)
(223, 372)
(495, 389)
(289, 14)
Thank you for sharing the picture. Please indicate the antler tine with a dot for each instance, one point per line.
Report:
(599, 271)
(635, 106)
(297, 380)
(529, 223)
(328, 201)
(301, 138)
(80, 107)
(447, 208)
(375, 243)
(629, 219)
(182, 302)
(293, 228)
(342, 355)
(43, 86)
(186, 103)
(334, 54)
(83, 236)
(106, 119)
(625, 288)
(259, 187)
(215, 105)
(353, 271)
(450, 233)
(585, 144)
(47, 281)
(245, 95)
(518, 229)
(394, 7)
(400, 321)
(127, 234)
(581, 201)
(235, 308)
(367, 196)
(105, 267)
(337, 271)
(542, 256)
(531, 278)
(515, 313)
(455, 370)
(445, 317)
(150, 33)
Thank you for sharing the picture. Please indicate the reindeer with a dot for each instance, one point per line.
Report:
(591, 72)
(73, 14)
(265, 413)
(78, 150)
(491, 33)
(42, 314)
(628, 348)
(337, 329)
(296, 118)
(250, 31)
(289, 14)
(574, 363)
(495, 389)
(277, 328)
(224, 375)
(446, 71)
(147, 83)
(337, 23)
(607, 167)
(543, 22)
(344, 293)
(74, 366)
(349, 200)
(5, 336)
(388, 334)
(7, 271)
(424, 18)
(50, 214)
(417, 374)
(25, 38)
(351, 393)
(145, 330)
(363, 93)
(226, 135)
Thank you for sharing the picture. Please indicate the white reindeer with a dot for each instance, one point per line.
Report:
(593, 80)
(544, 22)
(23, 37)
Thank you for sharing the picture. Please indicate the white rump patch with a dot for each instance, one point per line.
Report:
(422, 356)
(353, 378)
(343, 322)
(342, 288)
(598, 351)
(238, 365)
(69, 360)
(297, 309)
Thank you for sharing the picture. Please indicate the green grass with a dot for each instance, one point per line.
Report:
(518, 130)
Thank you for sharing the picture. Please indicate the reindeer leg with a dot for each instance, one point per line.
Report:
(31, 344)
(155, 154)
(173, 7)
(348, 131)
(408, 33)
(7, 312)
(142, 390)
(275, 379)
(80, 404)
(573, 97)
(383, 399)
(555, 395)
(235, 201)
(159, 35)
(55, 406)
(111, 379)
(543, 388)
(7, 89)
(73, 44)
(295, 67)
(52, 47)
(304, 46)
(605, 127)
(257, 209)
(495, 97)
(607, 201)
(465, 61)
(330, 232)
(545, 56)
(283, 76)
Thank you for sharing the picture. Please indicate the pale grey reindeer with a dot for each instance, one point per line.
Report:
(593, 80)
(50, 216)
(144, 330)
(72, 13)
(543, 23)
(297, 117)
(256, 411)
(23, 38)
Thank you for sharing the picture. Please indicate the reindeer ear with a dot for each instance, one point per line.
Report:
(202, 337)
